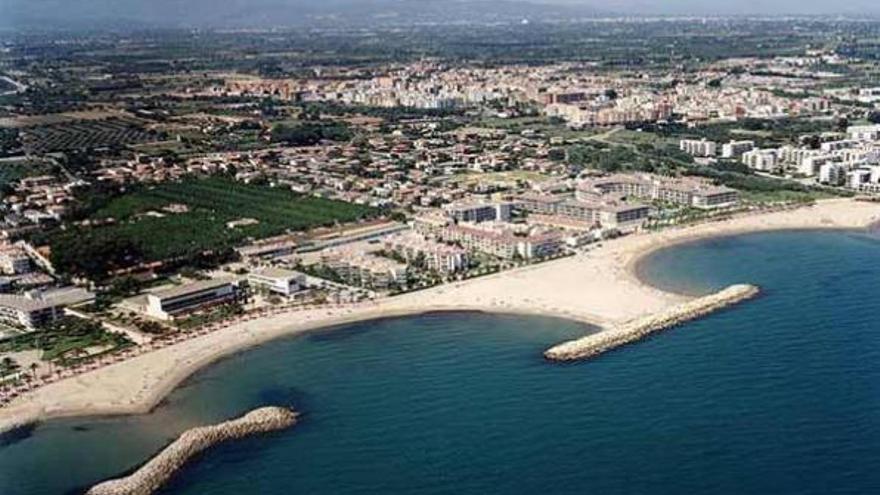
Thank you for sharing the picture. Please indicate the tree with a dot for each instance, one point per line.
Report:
(124, 286)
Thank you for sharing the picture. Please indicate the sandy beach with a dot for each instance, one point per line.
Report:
(598, 287)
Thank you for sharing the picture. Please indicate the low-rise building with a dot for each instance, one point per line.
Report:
(436, 256)
(173, 302)
(26, 312)
(267, 250)
(14, 260)
(363, 269)
(277, 280)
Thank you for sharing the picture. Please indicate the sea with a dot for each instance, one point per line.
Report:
(778, 395)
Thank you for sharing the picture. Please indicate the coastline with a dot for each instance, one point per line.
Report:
(600, 288)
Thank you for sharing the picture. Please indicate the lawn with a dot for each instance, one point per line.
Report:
(143, 231)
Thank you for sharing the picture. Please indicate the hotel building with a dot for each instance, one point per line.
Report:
(26, 312)
(174, 302)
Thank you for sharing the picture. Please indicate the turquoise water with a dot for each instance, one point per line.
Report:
(779, 395)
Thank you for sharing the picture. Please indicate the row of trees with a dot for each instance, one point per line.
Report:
(310, 133)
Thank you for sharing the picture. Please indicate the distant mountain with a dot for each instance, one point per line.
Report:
(272, 13)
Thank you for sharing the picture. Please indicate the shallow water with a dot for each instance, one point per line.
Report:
(778, 395)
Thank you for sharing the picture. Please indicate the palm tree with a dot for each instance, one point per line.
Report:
(34, 367)
(8, 365)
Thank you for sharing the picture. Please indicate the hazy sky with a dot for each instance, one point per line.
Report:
(732, 6)
(212, 12)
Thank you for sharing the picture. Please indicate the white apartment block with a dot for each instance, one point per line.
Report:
(864, 132)
(362, 269)
(764, 160)
(735, 149)
(830, 146)
(698, 147)
(502, 242)
(833, 174)
(479, 212)
(685, 191)
(436, 256)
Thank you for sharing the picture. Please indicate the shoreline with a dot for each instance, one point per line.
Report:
(600, 288)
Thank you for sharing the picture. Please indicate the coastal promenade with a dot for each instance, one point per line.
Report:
(598, 287)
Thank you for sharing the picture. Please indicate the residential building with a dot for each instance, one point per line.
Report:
(698, 147)
(479, 212)
(436, 256)
(764, 160)
(362, 269)
(735, 149)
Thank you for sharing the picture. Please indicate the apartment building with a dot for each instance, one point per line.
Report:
(479, 212)
(503, 242)
(362, 269)
(593, 208)
(698, 147)
(764, 160)
(735, 149)
(14, 260)
(864, 132)
(685, 191)
(436, 256)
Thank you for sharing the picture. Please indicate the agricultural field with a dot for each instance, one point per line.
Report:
(84, 135)
(10, 144)
(188, 221)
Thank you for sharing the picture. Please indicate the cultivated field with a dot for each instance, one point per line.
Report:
(83, 135)
(185, 220)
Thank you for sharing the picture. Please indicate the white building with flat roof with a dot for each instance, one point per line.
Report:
(479, 212)
(735, 149)
(277, 280)
(698, 147)
(27, 312)
(171, 303)
(764, 160)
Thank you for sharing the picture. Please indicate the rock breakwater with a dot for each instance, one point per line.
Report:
(596, 344)
(152, 475)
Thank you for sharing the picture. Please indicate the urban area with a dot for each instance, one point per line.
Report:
(145, 201)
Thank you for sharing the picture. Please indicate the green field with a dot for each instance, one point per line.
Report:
(199, 232)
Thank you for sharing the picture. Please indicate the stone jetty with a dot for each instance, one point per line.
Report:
(635, 330)
(152, 475)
